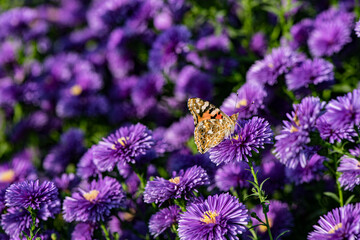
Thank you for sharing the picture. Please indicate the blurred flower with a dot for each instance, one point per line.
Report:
(339, 223)
(218, 217)
(279, 217)
(258, 43)
(249, 135)
(163, 20)
(18, 169)
(182, 184)
(123, 146)
(67, 182)
(179, 133)
(83, 231)
(86, 167)
(301, 31)
(310, 72)
(233, 175)
(71, 147)
(271, 168)
(247, 102)
(350, 169)
(145, 92)
(94, 201)
(313, 170)
(278, 62)
(357, 28)
(334, 134)
(167, 47)
(344, 110)
(163, 219)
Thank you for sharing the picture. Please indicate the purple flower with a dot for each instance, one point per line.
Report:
(350, 169)
(334, 134)
(167, 47)
(301, 31)
(191, 82)
(181, 184)
(70, 147)
(344, 110)
(219, 217)
(163, 219)
(271, 168)
(279, 216)
(357, 28)
(247, 102)
(86, 167)
(258, 43)
(278, 62)
(15, 221)
(233, 175)
(67, 182)
(163, 20)
(123, 146)
(94, 201)
(83, 231)
(179, 133)
(339, 223)
(31, 194)
(313, 170)
(249, 135)
(144, 93)
(18, 169)
(310, 72)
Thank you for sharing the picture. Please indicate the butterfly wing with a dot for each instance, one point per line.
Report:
(211, 132)
(203, 110)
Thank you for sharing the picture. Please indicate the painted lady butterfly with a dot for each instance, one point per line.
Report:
(211, 124)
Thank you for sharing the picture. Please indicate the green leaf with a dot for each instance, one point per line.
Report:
(332, 195)
(286, 231)
(349, 199)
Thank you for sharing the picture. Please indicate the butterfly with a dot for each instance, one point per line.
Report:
(211, 124)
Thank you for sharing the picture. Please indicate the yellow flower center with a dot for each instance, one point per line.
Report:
(270, 65)
(7, 176)
(241, 103)
(76, 90)
(123, 140)
(175, 180)
(236, 137)
(90, 196)
(263, 228)
(293, 129)
(209, 217)
(336, 227)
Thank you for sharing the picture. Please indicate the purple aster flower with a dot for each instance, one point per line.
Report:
(67, 182)
(334, 134)
(249, 135)
(350, 169)
(191, 82)
(310, 72)
(339, 223)
(15, 221)
(271, 168)
(219, 217)
(301, 31)
(123, 146)
(70, 147)
(163, 220)
(278, 62)
(163, 20)
(182, 184)
(83, 231)
(344, 110)
(214, 43)
(334, 15)
(167, 47)
(233, 175)
(179, 133)
(94, 201)
(357, 28)
(279, 216)
(86, 167)
(144, 93)
(313, 170)
(31, 194)
(18, 169)
(258, 43)
(247, 102)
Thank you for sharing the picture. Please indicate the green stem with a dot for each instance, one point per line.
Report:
(106, 232)
(262, 199)
(33, 224)
(341, 198)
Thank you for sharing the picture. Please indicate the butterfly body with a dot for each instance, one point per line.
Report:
(211, 124)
